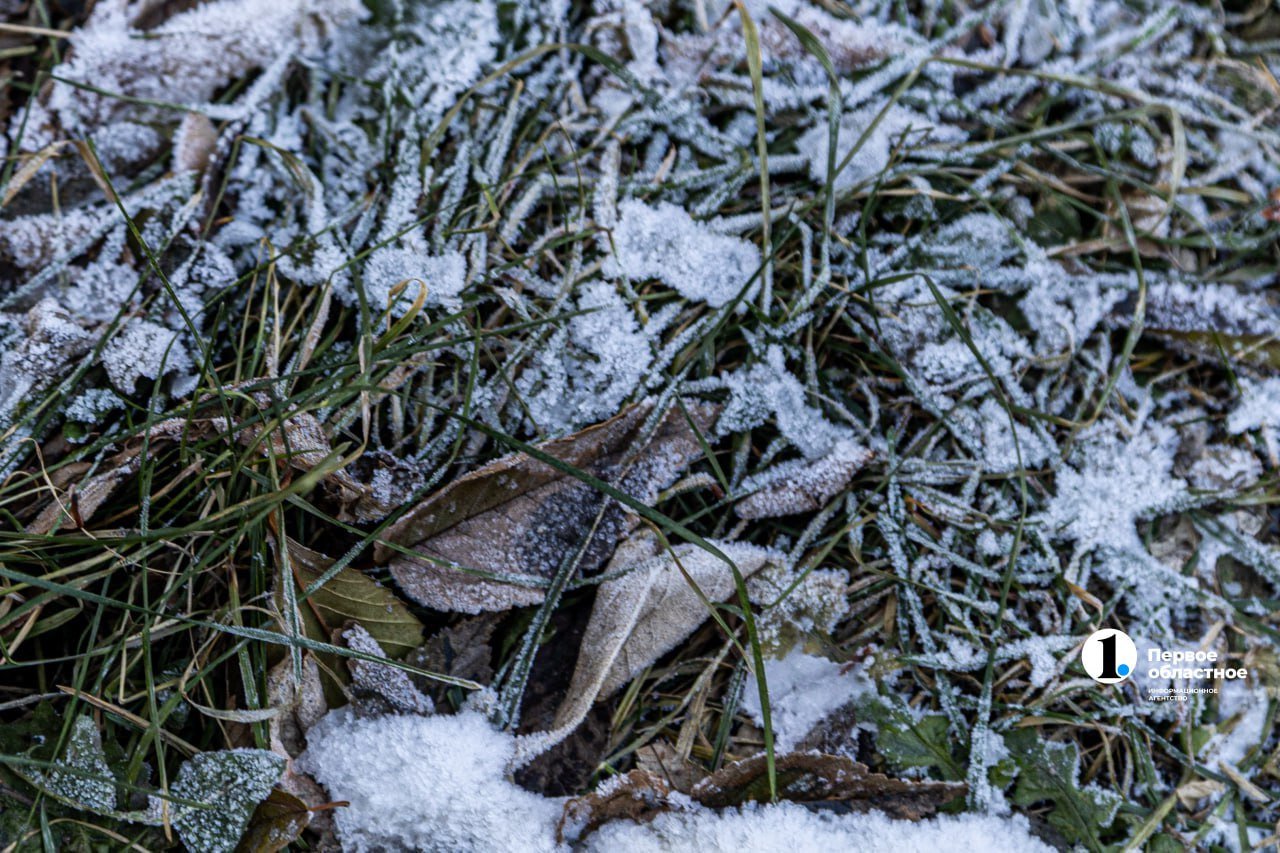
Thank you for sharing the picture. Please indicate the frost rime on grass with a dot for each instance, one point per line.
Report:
(615, 245)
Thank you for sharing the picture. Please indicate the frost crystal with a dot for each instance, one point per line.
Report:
(143, 349)
(229, 784)
(768, 388)
(426, 783)
(590, 369)
(1112, 484)
(665, 243)
(1259, 407)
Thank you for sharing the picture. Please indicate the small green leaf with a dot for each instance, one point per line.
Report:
(908, 741)
(1050, 772)
(82, 777)
(229, 784)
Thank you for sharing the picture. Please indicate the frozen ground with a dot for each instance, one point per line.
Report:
(924, 339)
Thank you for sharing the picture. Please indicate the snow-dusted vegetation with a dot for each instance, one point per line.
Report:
(459, 425)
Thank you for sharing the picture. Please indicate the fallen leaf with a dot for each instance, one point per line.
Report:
(85, 497)
(802, 485)
(463, 650)
(299, 441)
(518, 519)
(646, 612)
(81, 777)
(1271, 212)
(353, 596)
(1191, 793)
(301, 703)
(277, 822)
(31, 165)
(194, 142)
(810, 776)
(638, 796)
(641, 795)
(228, 784)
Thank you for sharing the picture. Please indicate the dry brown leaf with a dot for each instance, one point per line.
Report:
(193, 143)
(85, 497)
(808, 776)
(301, 705)
(464, 650)
(31, 165)
(646, 612)
(1191, 793)
(521, 518)
(642, 794)
(638, 796)
(802, 485)
(276, 823)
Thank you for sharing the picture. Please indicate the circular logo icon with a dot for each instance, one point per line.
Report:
(1109, 656)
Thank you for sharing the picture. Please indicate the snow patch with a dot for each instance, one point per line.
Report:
(791, 827)
(804, 690)
(426, 783)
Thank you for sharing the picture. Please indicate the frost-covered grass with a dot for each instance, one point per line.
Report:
(982, 293)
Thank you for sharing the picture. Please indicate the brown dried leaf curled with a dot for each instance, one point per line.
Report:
(646, 612)
(810, 776)
(517, 519)
(638, 796)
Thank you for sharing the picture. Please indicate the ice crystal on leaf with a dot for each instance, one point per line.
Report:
(87, 781)
(228, 785)
(143, 350)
